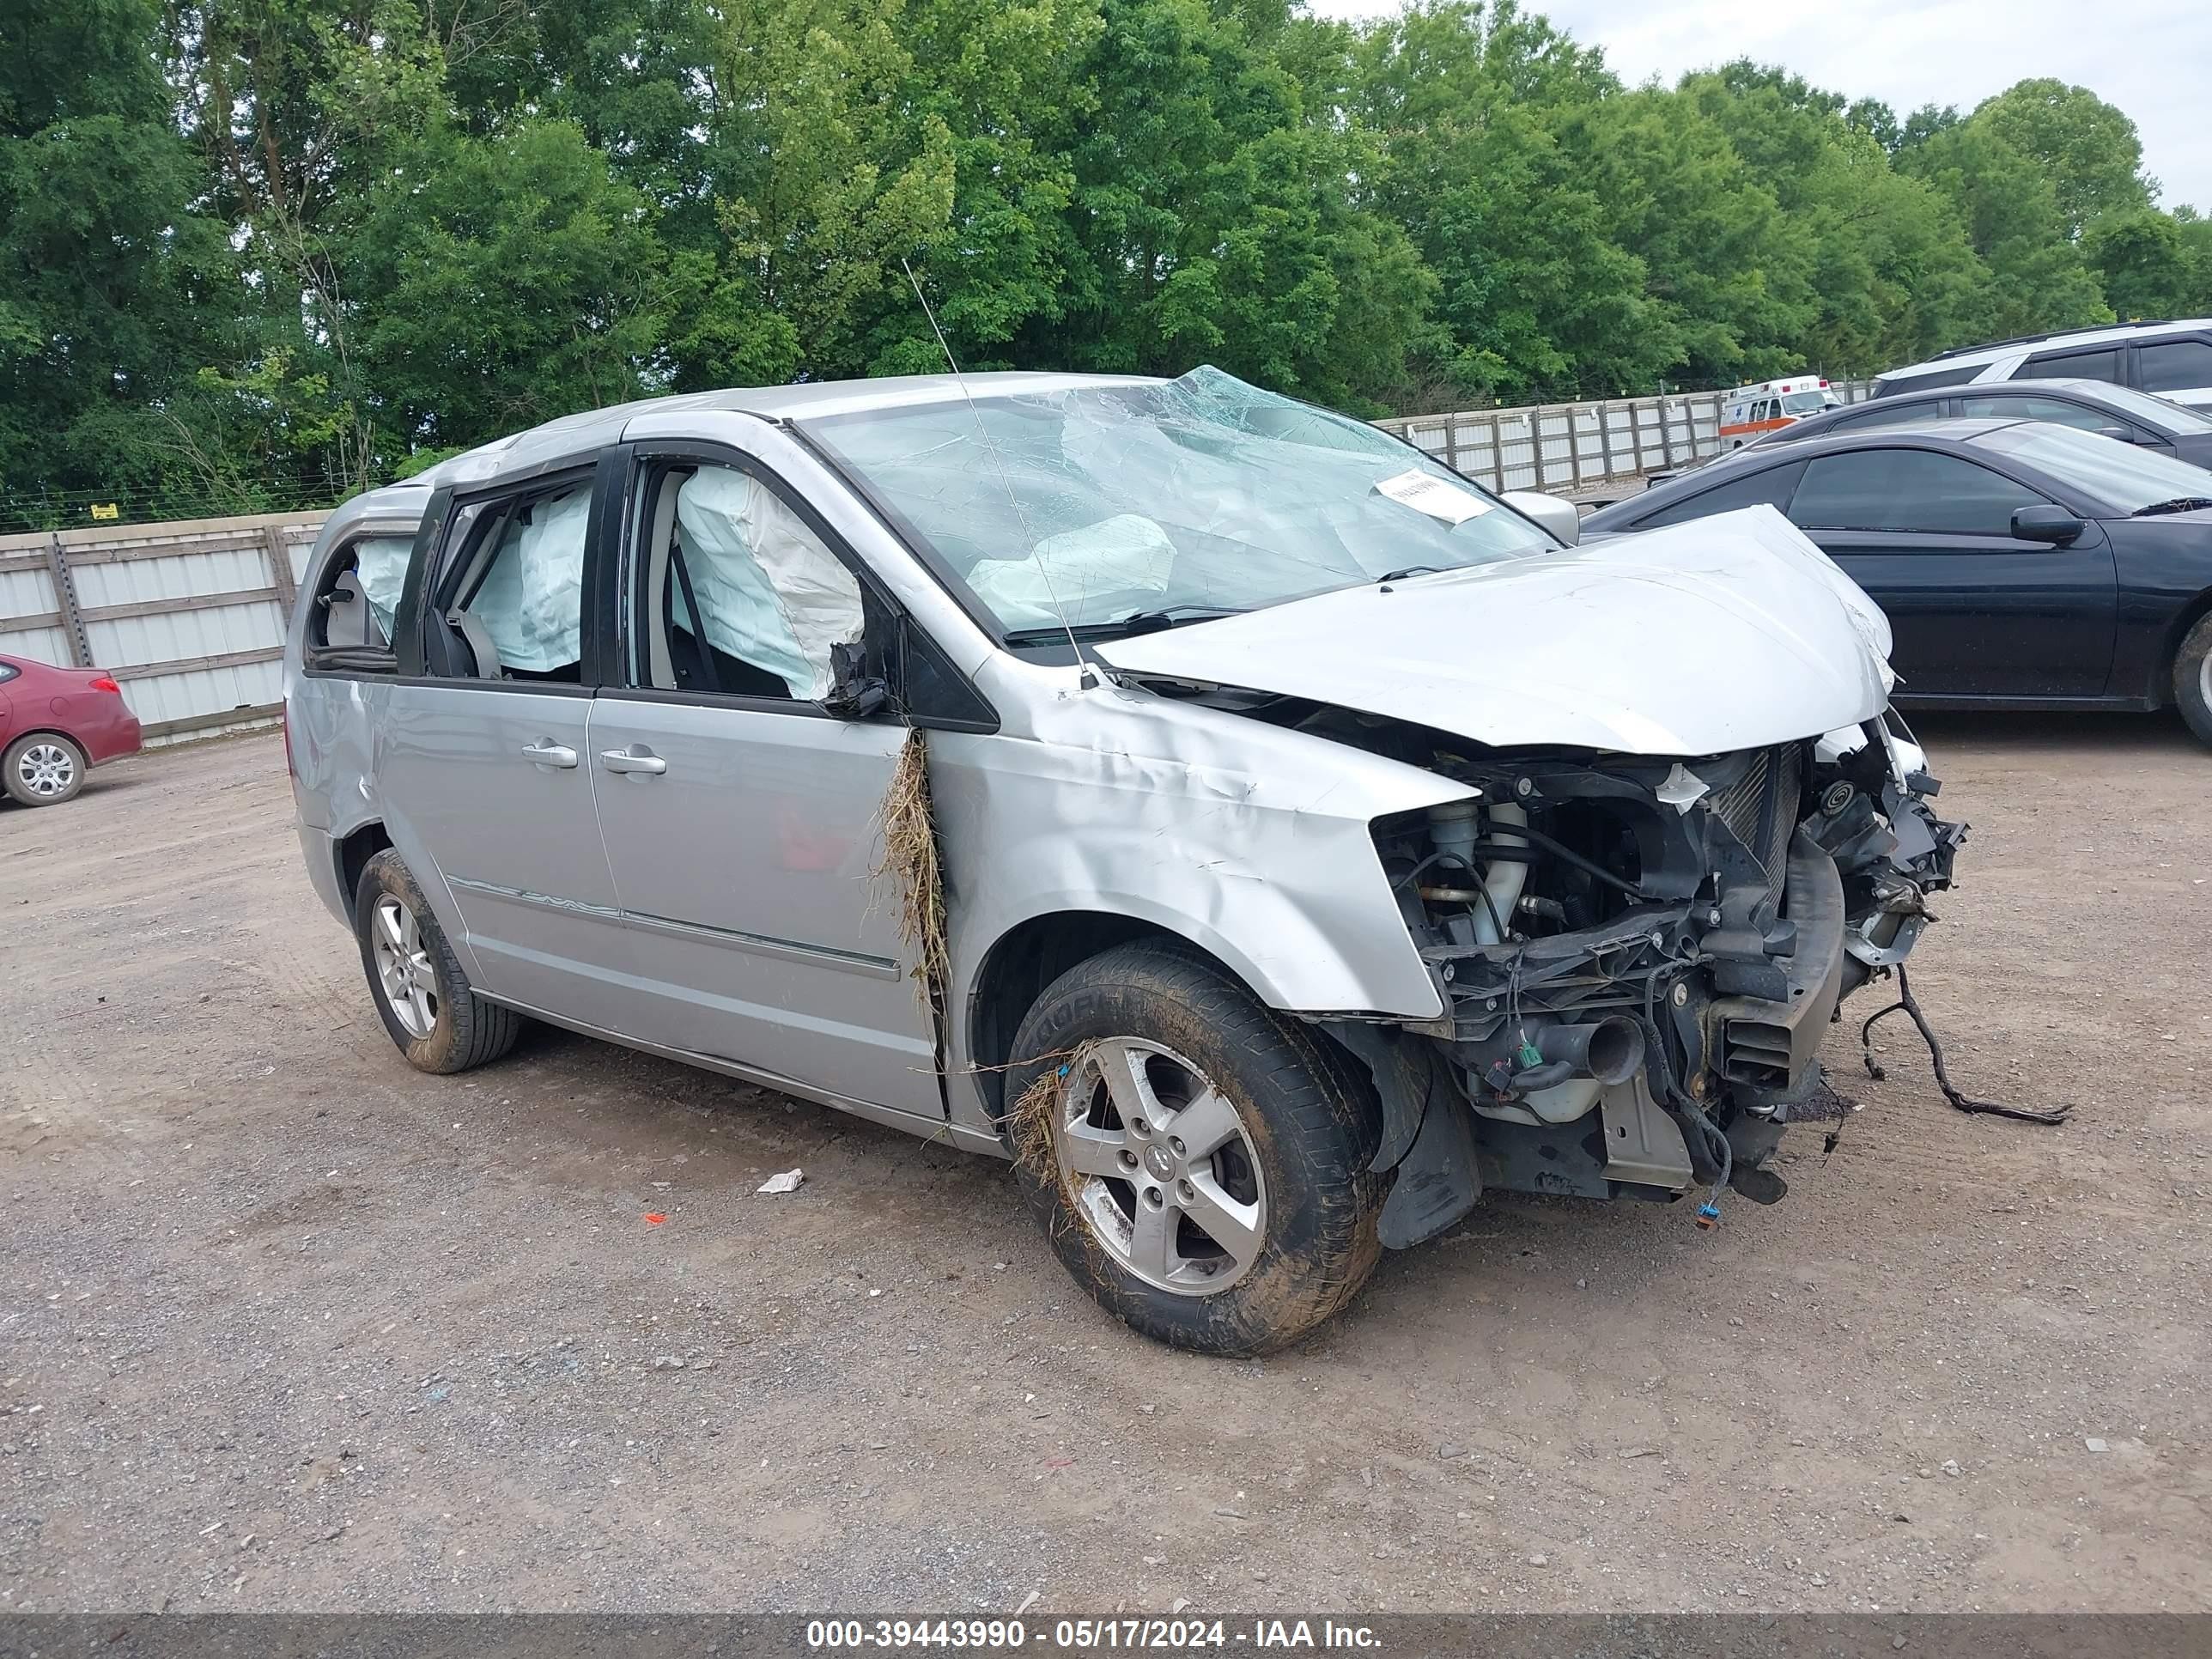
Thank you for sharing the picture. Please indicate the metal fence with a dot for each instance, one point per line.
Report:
(189, 618)
(1569, 447)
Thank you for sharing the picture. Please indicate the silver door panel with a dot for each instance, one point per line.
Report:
(744, 868)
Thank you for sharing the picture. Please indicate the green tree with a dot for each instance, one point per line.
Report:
(2037, 279)
(1217, 220)
(2145, 261)
(513, 280)
(111, 286)
(1534, 297)
(1882, 266)
(2088, 150)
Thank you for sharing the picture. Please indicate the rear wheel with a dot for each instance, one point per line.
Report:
(422, 993)
(2192, 679)
(1198, 1163)
(42, 769)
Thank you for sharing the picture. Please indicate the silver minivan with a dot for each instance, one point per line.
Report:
(1265, 838)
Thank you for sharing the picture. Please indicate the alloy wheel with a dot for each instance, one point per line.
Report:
(404, 967)
(1160, 1166)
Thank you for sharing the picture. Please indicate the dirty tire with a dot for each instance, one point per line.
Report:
(2192, 679)
(1308, 1113)
(29, 769)
(467, 1031)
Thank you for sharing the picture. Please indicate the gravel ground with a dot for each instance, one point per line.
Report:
(286, 1325)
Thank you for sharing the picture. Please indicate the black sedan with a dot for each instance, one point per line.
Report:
(2112, 411)
(2022, 565)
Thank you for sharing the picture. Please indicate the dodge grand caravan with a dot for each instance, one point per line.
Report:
(1267, 839)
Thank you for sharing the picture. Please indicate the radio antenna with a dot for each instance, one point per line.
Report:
(1086, 679)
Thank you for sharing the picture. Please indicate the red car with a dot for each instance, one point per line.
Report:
(55, 725)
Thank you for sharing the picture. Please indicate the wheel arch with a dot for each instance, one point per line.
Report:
(1029, 956)
(2169, 653)
(68, 737)
(353, 851)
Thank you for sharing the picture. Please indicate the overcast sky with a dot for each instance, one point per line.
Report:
(2148, 57)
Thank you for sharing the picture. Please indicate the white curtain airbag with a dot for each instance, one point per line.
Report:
(531, 602)
(379, 564)
(774, 596)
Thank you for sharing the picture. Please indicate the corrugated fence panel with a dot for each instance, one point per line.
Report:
(177, 637)
(249, 692)
(189, 618)
(221, 569)
(47, 645)
(1571, 445)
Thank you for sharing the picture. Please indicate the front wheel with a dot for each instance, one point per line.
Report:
(2192, 679)
(1198, 1163)
(422, 993)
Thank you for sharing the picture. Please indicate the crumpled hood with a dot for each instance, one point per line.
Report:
(1732, 632)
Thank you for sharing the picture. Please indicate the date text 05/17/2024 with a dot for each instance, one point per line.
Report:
(1087, 1634)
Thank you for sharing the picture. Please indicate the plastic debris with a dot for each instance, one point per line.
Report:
(788, 1181)
(652, 1220)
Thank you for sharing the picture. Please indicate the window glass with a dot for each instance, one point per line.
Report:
(2154, 412)
(1950, 374)
(8, 672)
(1768, 487)
(1907, 489)
(1083, 506)
(2002, 408)
(1889, 412)
(2175, 365)
(1803, 403)
(2128, 477)
(2077, 366)
(529, 602)
(749, 581)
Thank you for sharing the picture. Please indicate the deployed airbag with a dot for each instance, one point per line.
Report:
(1127, 555)
(381, 563)
(774, 595)
(532, 600)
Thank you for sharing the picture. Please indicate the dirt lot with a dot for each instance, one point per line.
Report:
(284, 1324)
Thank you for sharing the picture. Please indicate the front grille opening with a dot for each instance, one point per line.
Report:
(1760, 808)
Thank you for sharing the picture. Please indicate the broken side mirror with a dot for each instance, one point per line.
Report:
(2054, 525)
(1562, 518)
(854, 693)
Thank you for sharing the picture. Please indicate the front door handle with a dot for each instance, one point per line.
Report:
(629, 760)
(545, 752)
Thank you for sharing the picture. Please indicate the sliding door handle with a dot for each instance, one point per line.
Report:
(632, 760)
(545, 752)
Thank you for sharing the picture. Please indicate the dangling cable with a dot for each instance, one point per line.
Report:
(1911, 1010)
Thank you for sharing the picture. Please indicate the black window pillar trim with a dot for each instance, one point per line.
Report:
(407, 615)
(617, 540)
(429, 566)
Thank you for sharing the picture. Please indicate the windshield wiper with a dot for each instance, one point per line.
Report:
(1410, 570)
(2178, 504)
(1136, 621)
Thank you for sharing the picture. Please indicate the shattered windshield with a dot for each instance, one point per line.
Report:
(1098, 505)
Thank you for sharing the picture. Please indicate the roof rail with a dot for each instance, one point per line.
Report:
(2054, 334)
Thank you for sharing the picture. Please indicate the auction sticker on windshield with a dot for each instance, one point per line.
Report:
(1437, 497)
